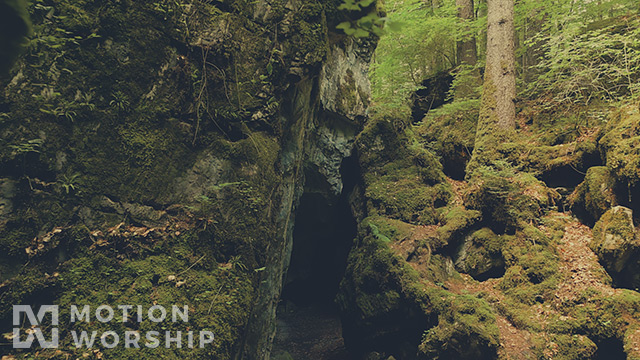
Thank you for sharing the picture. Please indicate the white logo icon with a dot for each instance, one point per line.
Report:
(35, 331)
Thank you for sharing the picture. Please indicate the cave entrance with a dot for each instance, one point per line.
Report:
(308, 322)
(610, 349)
(322, 239)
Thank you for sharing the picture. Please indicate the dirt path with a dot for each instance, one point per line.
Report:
(310, 333)
(582, 270)
(579, 265)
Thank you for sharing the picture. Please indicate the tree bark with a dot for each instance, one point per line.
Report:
(499, 90)
(496, 122)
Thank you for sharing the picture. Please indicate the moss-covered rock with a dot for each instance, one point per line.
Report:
(451, 136)
(378, 312)
(402, 181)
(170, 117)
(594, 196)
(616, 243)
(507, 197)
(621, 144)
(481, 255)
(467, 330)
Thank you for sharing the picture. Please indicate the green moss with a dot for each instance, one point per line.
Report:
(172, 272)
(379, 143)
(283, 355)
(616, 243)
(456, 221)
(507, 197)
(621, 144)
(451, 137)
(481, 253)
(402, 196)
(101, 280)
(374, 280)
(30, 284)
(380, 289)
(402, 181)
(564, 347)
(389, 228)
(465, 330)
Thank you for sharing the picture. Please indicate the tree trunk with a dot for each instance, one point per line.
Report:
(499, 91)
(466, 52)
(497, 110)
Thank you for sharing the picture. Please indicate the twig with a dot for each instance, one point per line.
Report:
(214, 299)
(192, 265)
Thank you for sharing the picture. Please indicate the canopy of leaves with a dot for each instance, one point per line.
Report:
(588, 50)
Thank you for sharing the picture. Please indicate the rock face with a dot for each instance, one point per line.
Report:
(616, 242)
(173, 142)
(318, 136)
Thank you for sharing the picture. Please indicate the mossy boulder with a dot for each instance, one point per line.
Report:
(595, 195)
(378, 313)
(455, 222)
(507, 197)
(465, 330)
(386, 306)
(481, 255)
(380, 143)
(565, 347)
(621, 144)
(616, 242)
(402, 181)
(451, 135)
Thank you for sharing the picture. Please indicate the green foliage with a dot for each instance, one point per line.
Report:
(27, 147)
(69, 182)
(595, 195)
(621, 144)
(372, 23)
(566, 50)
(377, 234)
(364, 26)
(589, 50)
(424, 45)
(120, 101)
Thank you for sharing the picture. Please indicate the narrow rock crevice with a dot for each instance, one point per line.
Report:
(308, 323)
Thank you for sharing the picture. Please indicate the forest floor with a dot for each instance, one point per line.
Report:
(580, 271)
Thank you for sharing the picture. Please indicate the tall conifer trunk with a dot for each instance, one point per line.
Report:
(497, 111)
(499, 92)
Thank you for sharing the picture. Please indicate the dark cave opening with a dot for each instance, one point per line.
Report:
(308, 322)
(563, 177)
(610, 349)
(321, 242)
(627, 196)
(569, 176)
(433, 94)
(322, 237)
